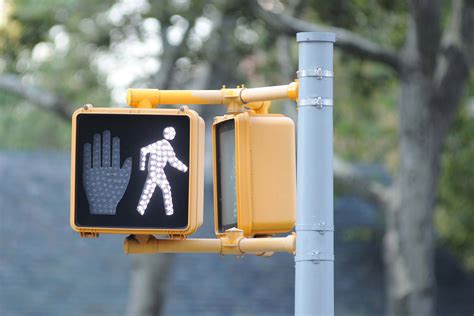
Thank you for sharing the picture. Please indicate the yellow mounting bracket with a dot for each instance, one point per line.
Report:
(231, 98)
(237, 99)
(255, 100)
(232, 242)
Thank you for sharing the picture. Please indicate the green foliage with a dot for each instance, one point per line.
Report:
(455, 214)
(46, 44)
(382, 21)
(25, 127)
(365, 119)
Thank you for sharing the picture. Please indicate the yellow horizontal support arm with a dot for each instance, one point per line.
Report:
(232, 243)
(148, 98)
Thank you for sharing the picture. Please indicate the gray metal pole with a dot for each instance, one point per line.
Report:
(314, 260)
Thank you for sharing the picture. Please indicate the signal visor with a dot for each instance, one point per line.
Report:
(254, 173)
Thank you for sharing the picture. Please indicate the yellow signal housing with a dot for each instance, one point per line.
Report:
(254, 173)
(195, 196)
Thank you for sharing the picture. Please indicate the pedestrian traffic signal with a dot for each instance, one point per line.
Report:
(254, 173)
(137, 171)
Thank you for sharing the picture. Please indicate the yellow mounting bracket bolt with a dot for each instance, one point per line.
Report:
(230, 241)
(259, 107)
(231, 98)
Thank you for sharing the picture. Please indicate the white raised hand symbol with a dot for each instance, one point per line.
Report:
(104, 181)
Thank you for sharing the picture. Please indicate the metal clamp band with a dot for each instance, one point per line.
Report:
(316, 101)
(315, 257)
(319, 73)
(320, 227)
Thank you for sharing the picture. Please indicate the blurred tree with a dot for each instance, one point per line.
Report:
(57, 55)
(433, 69)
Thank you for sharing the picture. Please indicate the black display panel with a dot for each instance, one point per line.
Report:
(226, 175)
(132, 171)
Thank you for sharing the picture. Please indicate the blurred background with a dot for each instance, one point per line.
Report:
(403, 128)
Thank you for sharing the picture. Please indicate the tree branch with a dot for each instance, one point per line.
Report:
(452, 71)
(349, 179)
(163, 78)
(347, 41)
(12, 84)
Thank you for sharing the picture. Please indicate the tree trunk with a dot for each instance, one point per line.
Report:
(409, 238)
(429, 99)
(150, 277)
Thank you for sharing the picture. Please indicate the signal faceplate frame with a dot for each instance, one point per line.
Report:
(189, 221)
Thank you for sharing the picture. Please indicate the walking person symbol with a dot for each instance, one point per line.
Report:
(161, 152)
